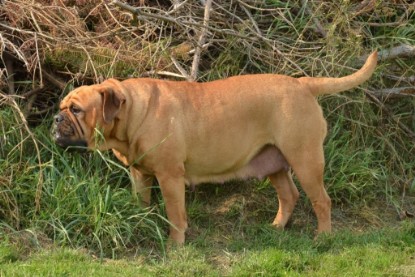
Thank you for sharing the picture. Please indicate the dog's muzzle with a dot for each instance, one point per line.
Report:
(64, 132)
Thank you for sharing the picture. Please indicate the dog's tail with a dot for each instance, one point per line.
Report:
(320, 86)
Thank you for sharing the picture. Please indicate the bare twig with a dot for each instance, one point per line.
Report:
(182, 24)
(259, 9)
(177, 6)
(409, 79)
(253, 37)
(180, 69)
(204, 46)
(53, 80)
(401, 51)
(44, 111)
(201, 41)
(248, 13)
(91, 61)
(269, 42)
(137, 12)
(385, 24)
(164, 73)
(395, 92)
(364, 7)
(32, 92)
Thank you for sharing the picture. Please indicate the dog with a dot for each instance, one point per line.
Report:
(181, 132)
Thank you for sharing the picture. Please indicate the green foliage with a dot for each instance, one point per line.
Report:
(85, 198)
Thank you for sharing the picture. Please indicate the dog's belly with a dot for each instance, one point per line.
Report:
(268, 160)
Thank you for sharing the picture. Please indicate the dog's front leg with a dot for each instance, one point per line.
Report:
(173, 190)
(141, 186)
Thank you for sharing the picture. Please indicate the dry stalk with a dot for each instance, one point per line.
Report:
(201, 41)
(180, 69)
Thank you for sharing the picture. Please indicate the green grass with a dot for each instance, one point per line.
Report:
(265, 252)
(85, 197)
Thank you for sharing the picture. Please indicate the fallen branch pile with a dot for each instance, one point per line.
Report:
(48, 47)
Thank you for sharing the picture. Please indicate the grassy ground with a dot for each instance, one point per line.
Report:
(261, 251)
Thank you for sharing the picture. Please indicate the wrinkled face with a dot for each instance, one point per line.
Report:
(82, 111)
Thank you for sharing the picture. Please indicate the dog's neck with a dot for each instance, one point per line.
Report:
(117, 136)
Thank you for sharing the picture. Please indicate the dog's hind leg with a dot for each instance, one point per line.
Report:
(308, 165)
(287, 196)
(301, 143)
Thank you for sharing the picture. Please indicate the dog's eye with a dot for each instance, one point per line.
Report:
(75, 110)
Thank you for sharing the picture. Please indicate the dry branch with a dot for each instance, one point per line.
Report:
(201, 41)
(401, 51)
(245, 29)
(409, 79)
(162, 73)
(253, 36)
(395, 92)
(181, 23)
(251, 18)
(33, 92)
(53, 80)
(139, 13)
(180, 69)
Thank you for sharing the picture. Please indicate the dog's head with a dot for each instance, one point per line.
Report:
(85, 110)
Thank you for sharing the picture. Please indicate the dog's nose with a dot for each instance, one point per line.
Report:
(58, 118)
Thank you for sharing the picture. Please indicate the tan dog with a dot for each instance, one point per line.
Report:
(188, 133)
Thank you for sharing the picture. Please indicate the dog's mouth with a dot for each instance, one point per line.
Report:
(65, 142)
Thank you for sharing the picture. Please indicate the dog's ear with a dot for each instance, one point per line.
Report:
(112, 101)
